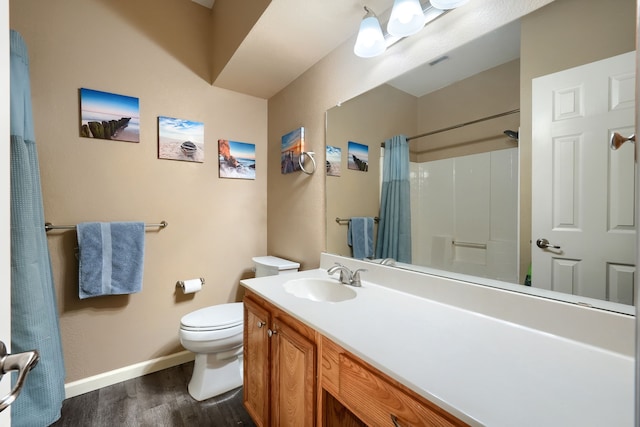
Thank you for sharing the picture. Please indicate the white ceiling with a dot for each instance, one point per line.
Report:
(491, 50)
(292, 35)
(289, 38)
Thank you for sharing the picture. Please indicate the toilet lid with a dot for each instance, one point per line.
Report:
(213, 318)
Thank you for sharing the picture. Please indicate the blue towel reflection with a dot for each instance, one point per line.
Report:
(360, 237)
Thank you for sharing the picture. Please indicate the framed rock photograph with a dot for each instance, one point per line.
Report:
(236, 159)
(105, 115)
(358, 157)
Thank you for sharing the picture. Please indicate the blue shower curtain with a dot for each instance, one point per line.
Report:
(34, 314)
(394, 229)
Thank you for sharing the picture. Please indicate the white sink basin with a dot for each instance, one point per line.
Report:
(325, 290)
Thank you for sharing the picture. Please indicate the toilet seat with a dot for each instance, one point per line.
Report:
(214, 318)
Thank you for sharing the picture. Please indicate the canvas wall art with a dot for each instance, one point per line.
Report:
(334, 161)
(180, 139)
(237, 159)
(105, 115)
(292, 146)
(358, 157)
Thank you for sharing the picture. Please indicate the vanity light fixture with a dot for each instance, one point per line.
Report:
(407, 18)
(404, 21)
(370, 41)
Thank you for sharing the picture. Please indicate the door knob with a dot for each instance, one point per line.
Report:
(544, 244)
(617, 140)
(21, 362)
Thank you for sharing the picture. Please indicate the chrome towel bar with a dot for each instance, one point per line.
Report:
(346, 220)
(48, 226)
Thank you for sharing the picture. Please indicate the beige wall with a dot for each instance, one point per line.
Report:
(231, 20)
(490, 92)
(157, 52)
(368, 119)
(296, 214)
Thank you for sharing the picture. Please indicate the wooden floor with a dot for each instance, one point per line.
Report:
(158, 399)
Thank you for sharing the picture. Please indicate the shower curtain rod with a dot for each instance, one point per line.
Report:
(433, 132)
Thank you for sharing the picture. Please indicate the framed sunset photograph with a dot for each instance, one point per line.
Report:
(236, 159)
(180, 139)
(291, 148)
(105, 115)
(358, 157)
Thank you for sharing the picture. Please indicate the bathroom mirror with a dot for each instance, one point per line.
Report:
(465, 101)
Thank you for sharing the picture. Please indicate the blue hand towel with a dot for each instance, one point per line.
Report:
(111, 258)
(360, 237)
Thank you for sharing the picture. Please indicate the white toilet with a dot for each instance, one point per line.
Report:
(214, 334)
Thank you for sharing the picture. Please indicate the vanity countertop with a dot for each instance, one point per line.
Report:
(484, 370)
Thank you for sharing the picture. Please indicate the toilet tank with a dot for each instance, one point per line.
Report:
(272, 266)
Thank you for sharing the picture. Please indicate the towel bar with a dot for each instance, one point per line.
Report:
(48, 226)
(346, 220)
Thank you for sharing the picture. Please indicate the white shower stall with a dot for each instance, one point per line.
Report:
(464, 214)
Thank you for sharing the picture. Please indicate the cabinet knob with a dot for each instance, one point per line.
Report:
(271, 332)
(260, 324)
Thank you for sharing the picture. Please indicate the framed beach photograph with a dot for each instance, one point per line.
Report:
(334, 161)
(358, 157)
(292, 146)
(180, 139)
(236, 159)
(105, 115)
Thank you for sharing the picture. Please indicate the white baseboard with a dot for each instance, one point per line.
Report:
(105, 379)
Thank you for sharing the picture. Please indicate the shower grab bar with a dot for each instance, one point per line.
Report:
(21, 362)
(48, 226)
(346, 220)
(469, 244)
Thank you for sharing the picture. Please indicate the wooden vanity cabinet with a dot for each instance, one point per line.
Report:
(279, 366)
(373, 397)
(294, 376)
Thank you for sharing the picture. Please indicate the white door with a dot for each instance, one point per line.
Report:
(582, 191)
(5, 257)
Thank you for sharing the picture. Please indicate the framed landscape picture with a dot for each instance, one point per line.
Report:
(292, 147)
(358, 157)
(180, 139)
(334, 161)
(237, 159)
(105, 115)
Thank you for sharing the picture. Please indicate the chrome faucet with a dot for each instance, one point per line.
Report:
(347, 277)
(388, 261)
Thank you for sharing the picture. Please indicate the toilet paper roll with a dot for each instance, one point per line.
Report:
(192, 285)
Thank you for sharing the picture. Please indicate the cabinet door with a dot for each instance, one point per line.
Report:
(256, 362)
(294, 382)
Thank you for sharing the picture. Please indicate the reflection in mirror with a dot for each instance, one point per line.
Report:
(472, 183)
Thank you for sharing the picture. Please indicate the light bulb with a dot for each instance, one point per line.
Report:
(406, 18)
(370, 41)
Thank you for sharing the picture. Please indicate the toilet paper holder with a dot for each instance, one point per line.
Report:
(180, 283)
